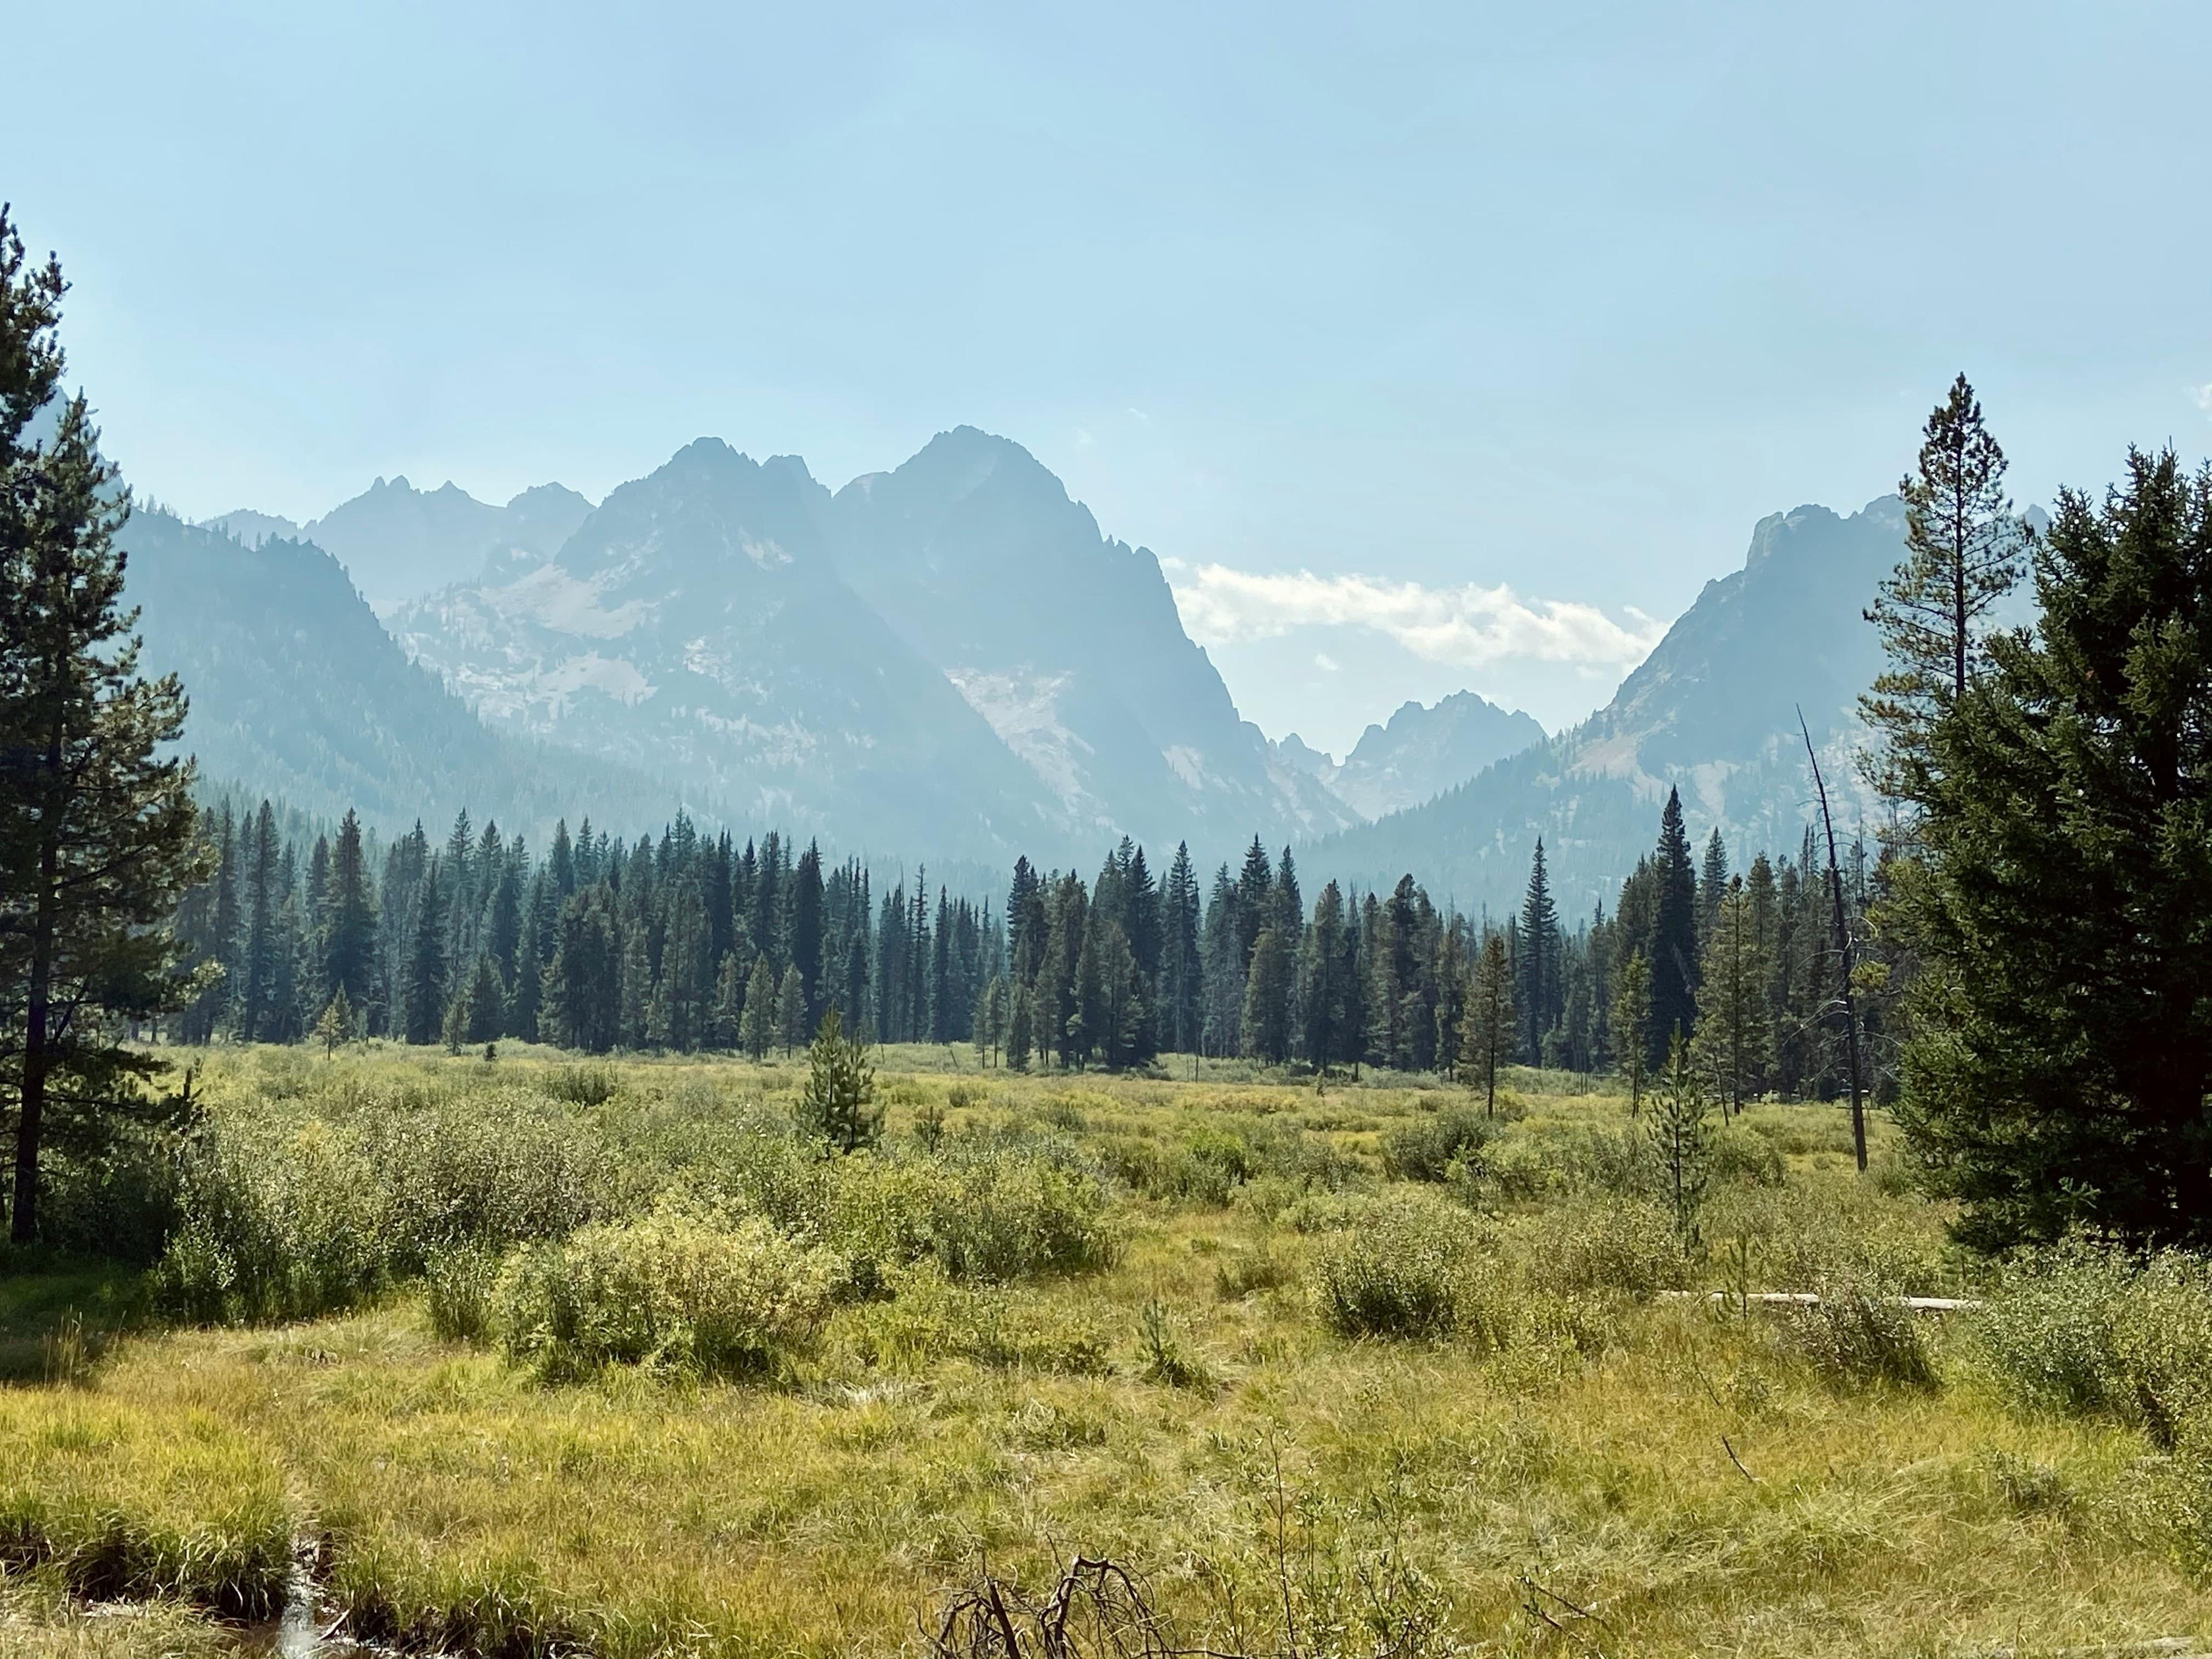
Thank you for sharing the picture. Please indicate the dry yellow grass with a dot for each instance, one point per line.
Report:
(1680, 1475)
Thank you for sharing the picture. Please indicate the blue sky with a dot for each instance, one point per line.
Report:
(1358, 313)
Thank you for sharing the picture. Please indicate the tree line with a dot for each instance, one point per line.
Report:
(690, 941)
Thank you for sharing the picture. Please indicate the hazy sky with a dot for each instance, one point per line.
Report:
(1447, 346)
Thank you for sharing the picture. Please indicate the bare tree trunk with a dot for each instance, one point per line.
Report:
(1844, 947)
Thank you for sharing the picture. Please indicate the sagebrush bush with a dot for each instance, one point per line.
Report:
(1428, 1148)
(1403, 1270)
(670, 1290)
(1001, 1211)
(289, 1219)
(1630, 1248)
(1854, 1336)
(2085, 1329)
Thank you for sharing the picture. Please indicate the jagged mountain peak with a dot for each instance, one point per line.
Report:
(1711, 712)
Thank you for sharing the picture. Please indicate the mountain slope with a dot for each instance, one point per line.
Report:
(695, 620)
(297, 692)
(1712, 711)
(1069, 644)
(1422, 752)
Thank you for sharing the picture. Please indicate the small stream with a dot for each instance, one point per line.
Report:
(297, 1632)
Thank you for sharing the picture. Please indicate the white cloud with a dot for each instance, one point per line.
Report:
(2202, 397)
(1325, 663)
(1469, 627)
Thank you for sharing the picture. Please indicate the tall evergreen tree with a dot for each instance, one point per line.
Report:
(1672, 950)
(424, 1003)
(790, 1010)
(1632, 1025)
(98, 838)
(1489, 1027)
(1181, 992)
(1538, 989)
(756, 1027)
(350, 955)
(1733, 1045)
(2062, 1049)
(1964, 551)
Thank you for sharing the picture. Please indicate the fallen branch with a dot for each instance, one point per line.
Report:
(1929, 1304)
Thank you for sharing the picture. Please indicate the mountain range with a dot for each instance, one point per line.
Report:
(1422, 752)
(946, 659)
(396, 541)
(298, 692)
(1713, 711)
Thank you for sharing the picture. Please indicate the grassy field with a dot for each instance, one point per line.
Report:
(1352, 1371)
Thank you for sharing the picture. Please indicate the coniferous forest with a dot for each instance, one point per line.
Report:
(692, 942)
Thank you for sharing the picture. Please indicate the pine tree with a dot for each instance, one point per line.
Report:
(1267, 1016)
(1681, 1139)
(255, 1014)
(725, 1022)
(838, 1103)
(1322, 982)
(1632, 1024)
(487, 1001)
(425, 999)
(1021, 1024)
(350, 952)
(1965, 549)
(790, 1010)
(756, 1027)
(1489, 1029)
(335, 1026)
(1538, 991)
(1733, 1046)
(1673, 949)
(1712, 883)
(2062, 1047)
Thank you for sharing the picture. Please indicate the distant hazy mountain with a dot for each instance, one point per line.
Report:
(298, 692)
(253, 528)
(1421, 753)
(947, 658)
(695, 623)
(398, 543)
(1712, 711)
(1069, 645)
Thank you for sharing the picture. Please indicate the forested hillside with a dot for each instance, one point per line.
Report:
(298, 692)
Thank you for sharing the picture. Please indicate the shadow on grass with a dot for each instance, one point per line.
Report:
(59, 1313)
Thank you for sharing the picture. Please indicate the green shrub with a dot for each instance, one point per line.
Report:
(1208, 1167)
(1740, 1155)
(2089, 1330)
(1002, 1212)
(275, 1226)
(1168, 1357)
(1630, 1248)
(1403, 1271)
(1427, 1148)
(670, 1290)
(460, 1287)
(1852, 1336)
(1241, 1273)
(291, 1220)
(591, 1084)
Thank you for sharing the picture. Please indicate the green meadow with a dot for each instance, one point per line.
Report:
(526, 1356)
